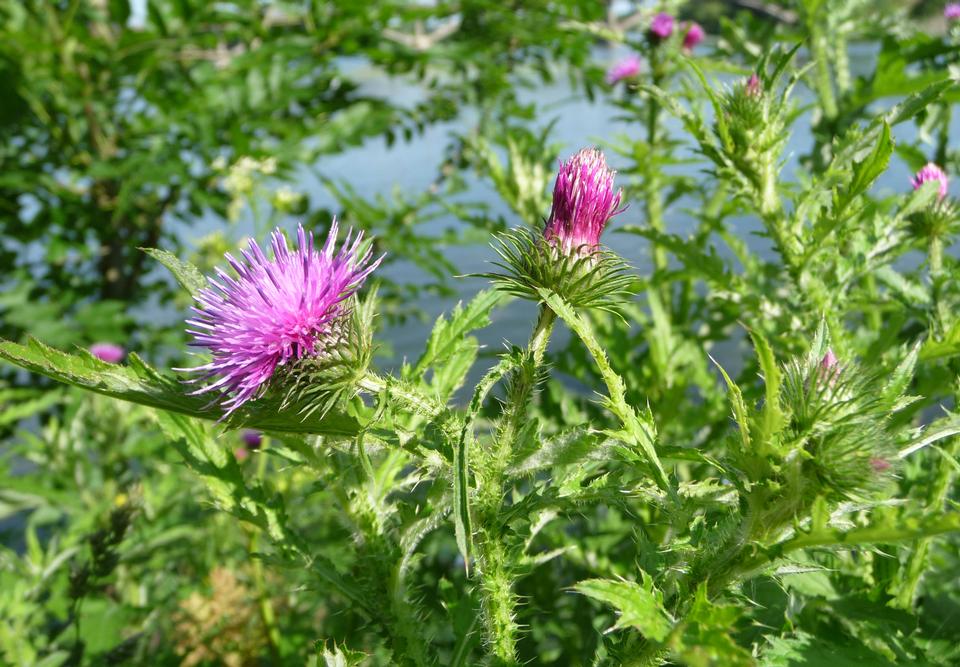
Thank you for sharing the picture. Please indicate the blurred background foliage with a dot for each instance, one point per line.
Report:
(189, 125)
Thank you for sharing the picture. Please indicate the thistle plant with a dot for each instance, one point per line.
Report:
(744, 455)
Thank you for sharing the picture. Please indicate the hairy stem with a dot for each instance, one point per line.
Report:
(498, 599)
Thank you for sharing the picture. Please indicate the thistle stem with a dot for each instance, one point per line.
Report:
(267, 615)
(498, 599)
(652, 185)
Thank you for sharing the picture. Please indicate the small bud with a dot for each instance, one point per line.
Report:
(879, 465)
(628, 68)
(931, 172)
(252, 439)
(952, 11)
(584, 200)
(241, 454)
(112, 354)
(661, 27)
(753, 87)
(830, 368)
(694, 36)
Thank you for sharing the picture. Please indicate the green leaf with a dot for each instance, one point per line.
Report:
(189, 276)
(773, 417)
(869, 169)
(461, 470)
(448, 336)
(917, 102)
(640, 605)
(740, 413)
(139, 383)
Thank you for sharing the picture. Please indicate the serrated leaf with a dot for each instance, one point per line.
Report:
(639, 606)
(138, 383)
(449, 335)
(740, 413)
(773, 417)
(189, 276)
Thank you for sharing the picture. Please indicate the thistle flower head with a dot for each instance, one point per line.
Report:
(952, 11)
(275, 311)
(583, 201)
(753, 87)
(252, 439)
(661, 27)
(628, 68)
(694, 36)
(931, 172)
(112, 354)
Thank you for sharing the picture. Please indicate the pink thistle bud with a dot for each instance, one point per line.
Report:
(628, 68)
(112, 354)
(275, 311)
(583, 201)
(753, 87)
(879, 465)
(830, 368)
(241, 454)
(252, 439)
(694, 36)
(931, 172)
(952, 11)
(661, 27)
(829, 361)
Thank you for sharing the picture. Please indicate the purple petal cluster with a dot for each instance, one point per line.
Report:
(112, 354)
(628, 68)
(753, 87)
(662, 26)
(583, 201)
(275, 311)
(694, 36)
(952, 11)
(931, 172)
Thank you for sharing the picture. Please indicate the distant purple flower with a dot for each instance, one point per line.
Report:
(241, 454)
(253, 439)
(583, 201)
(931, 172)
(662, 26)
(952, 11)
(627, 68)
(112, 354)
(879, 465)
(753, 87)
(275, 311)
(694, 36)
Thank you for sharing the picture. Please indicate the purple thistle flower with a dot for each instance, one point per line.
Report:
(627, 68)
(252, 439)
(275, 312)
(931, 172)
(112, 354)
(753, 87)
(694, 36)
(583, 201)
(952, 11)
(661, 27)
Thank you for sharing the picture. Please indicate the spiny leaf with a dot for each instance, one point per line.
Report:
(139, 383)
(449, 335)
(740, 413)
(189, 276)
(461, 470)
(639, 605)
